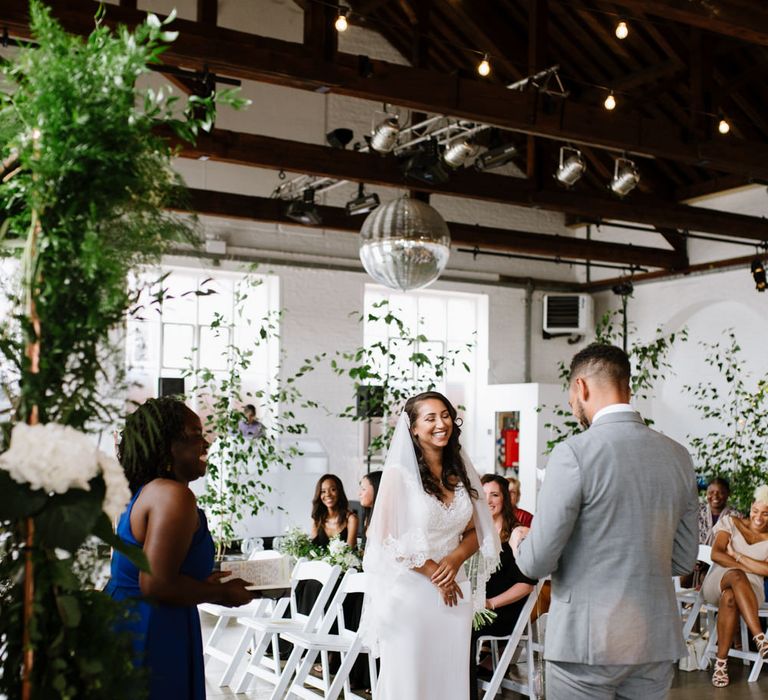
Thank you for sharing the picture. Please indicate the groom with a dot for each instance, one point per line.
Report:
(616, 520)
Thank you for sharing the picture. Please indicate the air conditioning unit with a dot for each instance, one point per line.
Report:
(568, 314)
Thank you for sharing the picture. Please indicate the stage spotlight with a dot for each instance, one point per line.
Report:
(339, 138)
(304, 210)
(758, 273)
(572, 166)
(384, 136)
(363, 203)
(459, 152)
(496, 157)
(625, 177)
(424, 164)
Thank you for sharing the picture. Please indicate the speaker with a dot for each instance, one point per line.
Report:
(170, 386)
(370, 401)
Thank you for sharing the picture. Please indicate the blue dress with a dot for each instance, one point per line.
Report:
(167, 638)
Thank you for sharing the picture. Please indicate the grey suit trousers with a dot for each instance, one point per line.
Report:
(570, 681)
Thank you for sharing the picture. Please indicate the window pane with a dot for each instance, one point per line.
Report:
(178, 345)
(142, 344)
(462, 319)
(432, 321)
(214, 347)
(180, 299)
(215, 301)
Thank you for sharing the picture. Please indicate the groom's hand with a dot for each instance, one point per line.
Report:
(517, 536)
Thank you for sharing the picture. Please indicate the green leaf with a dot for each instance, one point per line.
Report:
(103, 530)
(18, 500)
(69, 518)
(69, 609)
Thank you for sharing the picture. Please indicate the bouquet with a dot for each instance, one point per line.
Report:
(296, 544)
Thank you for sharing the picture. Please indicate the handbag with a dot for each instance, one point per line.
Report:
(695, 647)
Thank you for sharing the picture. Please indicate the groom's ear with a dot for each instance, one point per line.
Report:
(582, 389)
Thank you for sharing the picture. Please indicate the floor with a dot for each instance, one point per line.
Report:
(687, 686)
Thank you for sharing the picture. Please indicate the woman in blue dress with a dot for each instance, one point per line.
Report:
(162, 449)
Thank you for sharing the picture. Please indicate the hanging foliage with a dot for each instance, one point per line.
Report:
(735, 407)
(84, 192)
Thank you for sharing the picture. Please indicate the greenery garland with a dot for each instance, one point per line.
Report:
(85, 185)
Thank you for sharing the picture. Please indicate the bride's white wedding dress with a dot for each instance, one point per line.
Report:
(424, 643)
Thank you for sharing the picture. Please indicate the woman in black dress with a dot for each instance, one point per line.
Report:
(507, 588)
(331, 515)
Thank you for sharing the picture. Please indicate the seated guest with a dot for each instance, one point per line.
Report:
(331, 515)
(369, 488)
(250, 426)
(735, 581)
(162, 449)
(523, 517)
(715, 507)
(507, 588)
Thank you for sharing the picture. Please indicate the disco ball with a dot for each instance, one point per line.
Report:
(405, 244)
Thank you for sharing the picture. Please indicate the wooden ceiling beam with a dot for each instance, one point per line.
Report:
(236, 206)
(251, 57)
(747, 21)
(293, 156)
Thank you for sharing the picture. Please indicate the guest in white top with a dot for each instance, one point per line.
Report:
(735, 581)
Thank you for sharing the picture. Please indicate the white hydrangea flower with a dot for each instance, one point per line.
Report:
(336, 546)
(352, 561)
(57, 458)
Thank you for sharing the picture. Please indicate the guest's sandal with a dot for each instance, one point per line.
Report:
(762, 645)
(720, 676)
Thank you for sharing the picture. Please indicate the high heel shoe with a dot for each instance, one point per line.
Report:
(762, 645)
(720, 677)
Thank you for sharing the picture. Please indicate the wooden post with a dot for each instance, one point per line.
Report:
(33, 354)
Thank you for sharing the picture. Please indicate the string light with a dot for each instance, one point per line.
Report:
(622, 30)
(723, 126)
(610, 102)
(341, 23)
(484, 67)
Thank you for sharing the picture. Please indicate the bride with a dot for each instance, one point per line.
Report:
(430, 517)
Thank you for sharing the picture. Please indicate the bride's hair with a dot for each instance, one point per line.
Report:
(454, 469)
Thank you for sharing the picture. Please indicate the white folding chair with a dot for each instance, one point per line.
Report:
(523, 633)
(307, 646)
(259, 608)
(265, 632)
(745, 654)
(691, 597)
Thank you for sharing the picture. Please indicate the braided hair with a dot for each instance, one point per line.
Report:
(145, 443)
(454, 469)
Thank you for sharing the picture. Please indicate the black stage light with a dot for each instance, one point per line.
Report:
(758, 273)
(304, 210)
(424, 164)
(339, 138)
(496, 157)
(363, 203)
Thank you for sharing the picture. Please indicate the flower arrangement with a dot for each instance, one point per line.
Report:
(296, 544)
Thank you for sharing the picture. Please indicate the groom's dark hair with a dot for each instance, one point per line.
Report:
(608, 361)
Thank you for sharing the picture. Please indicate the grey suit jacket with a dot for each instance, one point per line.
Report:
(616, 520)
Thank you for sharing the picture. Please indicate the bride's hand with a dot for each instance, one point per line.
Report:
(451, 594)
(446, 571)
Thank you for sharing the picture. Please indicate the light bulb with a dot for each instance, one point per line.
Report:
(723, 127)
(610, 102)
(484, 67)
(341, 23)
(622, 30)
